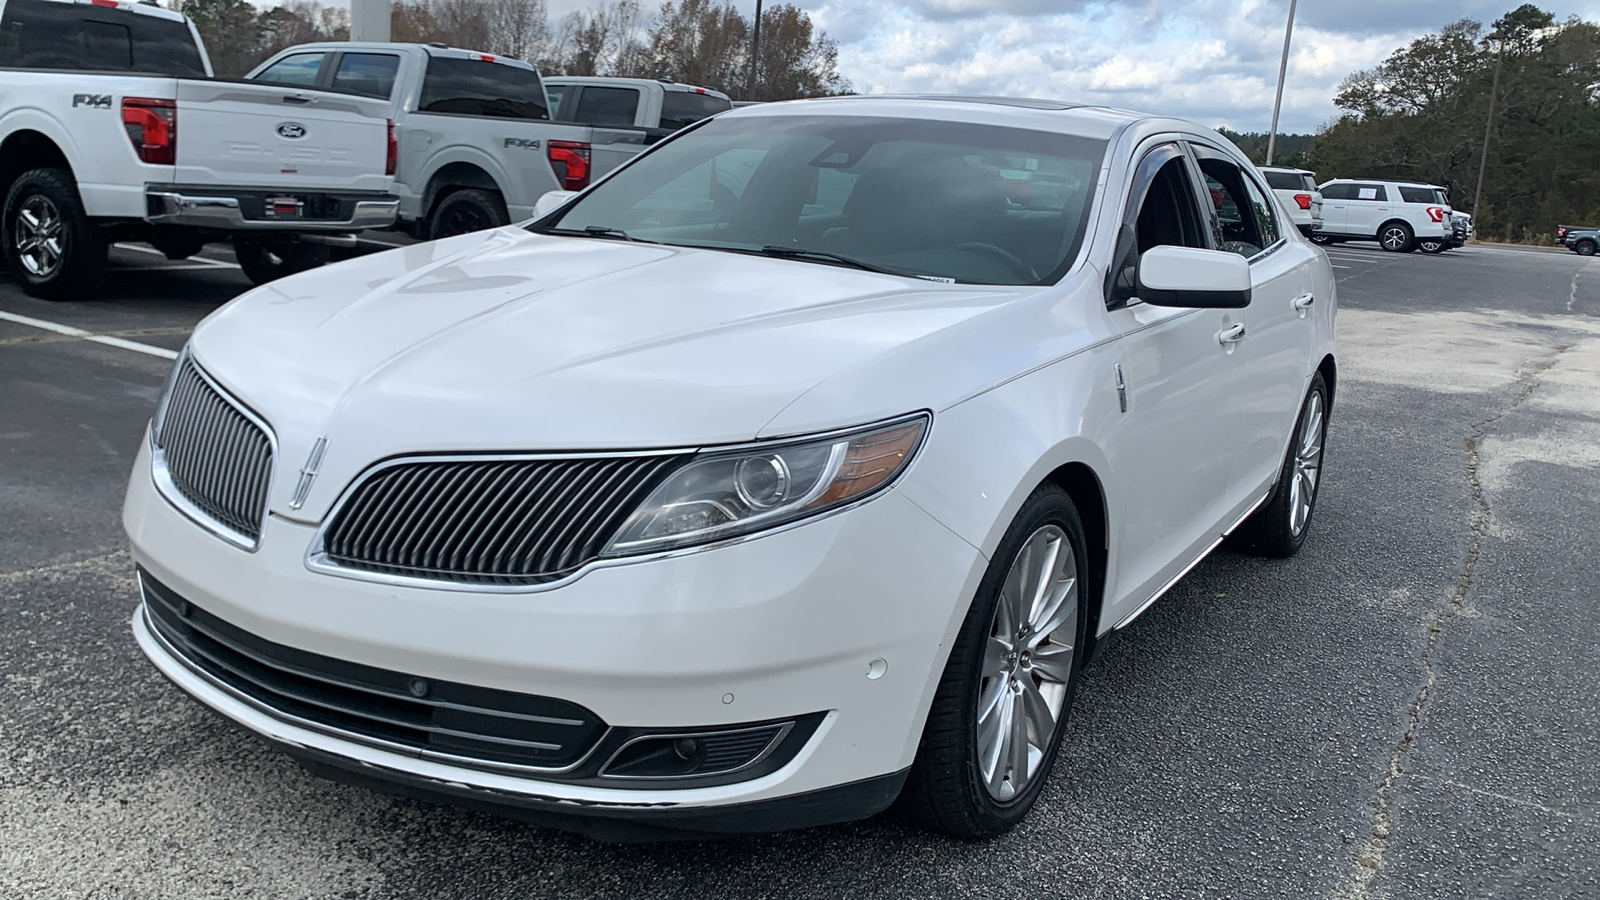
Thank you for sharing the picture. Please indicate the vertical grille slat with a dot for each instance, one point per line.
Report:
(216, 456)
(502, 521)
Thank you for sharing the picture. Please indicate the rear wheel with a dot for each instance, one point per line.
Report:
(50, 242)
(1396, 237)
(1432, 245)
(268, 259)
(1278, 528)
(1322, 240)
(994, 728)
(1585, 248)
(466, 211)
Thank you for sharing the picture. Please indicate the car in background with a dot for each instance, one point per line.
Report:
(1563, 230)
(696, 507)
(1399, 215)
(1297, 190)
(1582, 241)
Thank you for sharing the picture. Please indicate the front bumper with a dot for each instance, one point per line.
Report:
(245, 209)
(769, 628)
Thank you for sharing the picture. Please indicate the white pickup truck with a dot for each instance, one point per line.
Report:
(478, 142)
(112, 129)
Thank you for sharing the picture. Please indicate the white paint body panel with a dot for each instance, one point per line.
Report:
(510, 341)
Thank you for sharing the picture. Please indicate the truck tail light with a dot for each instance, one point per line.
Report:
(392, 155)
(1436, 214)
(570, 160)
(1304, 200)
(152, 126)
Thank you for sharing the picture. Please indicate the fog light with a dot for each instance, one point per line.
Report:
(702, 753)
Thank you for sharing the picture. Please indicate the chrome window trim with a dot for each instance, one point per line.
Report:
(318, 561)
(354, 738)
(772, 745)
(161, 476)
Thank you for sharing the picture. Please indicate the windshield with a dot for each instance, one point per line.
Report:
(945, 200)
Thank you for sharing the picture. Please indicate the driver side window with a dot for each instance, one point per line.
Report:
(1244, 217)
(1167, 215)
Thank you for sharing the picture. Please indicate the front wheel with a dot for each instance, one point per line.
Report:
(1278, 528)
(50, 242)
(268, 259)
(1395, 237)
(994, 728)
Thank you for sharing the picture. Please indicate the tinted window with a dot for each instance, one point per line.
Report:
(1338, 191)
(931, 198)
(300, 68)
(682, 108)
(555, 92)
(1370, 192)
(371, 74)
(606, 106)
(471, 87)
(1266, 218)
(1416, 195)
(1284, 181)
(1239, 220)
(37, 34)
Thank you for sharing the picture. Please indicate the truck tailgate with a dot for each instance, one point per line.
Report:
(247, 134)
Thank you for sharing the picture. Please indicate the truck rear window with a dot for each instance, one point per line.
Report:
(471, 87)
(680, 109)
(43, 34)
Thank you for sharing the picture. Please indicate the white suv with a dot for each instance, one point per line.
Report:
(1399, 215)
(1297, 194)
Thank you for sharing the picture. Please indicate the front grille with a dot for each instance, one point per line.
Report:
(506, 521)
(424, 715)
(217, 458)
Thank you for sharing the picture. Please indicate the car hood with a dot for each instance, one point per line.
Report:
(510, 341)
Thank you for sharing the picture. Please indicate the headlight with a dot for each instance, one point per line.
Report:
(160, 417)
(724, 494)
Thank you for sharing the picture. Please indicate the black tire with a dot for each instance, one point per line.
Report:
(70, 261)
(1433, 245)
(268, 259)
(945, 791)
(1272, 530)
(1397, 237)
(1322, 240)
(1584, 248)
(466, 211)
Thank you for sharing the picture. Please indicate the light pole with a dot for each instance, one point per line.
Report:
(1283, 69)
(1488, 126)
(755, 55)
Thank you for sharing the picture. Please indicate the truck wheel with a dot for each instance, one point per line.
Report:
(1584, 248)
(1396, 237)
(49, 240)
(268, 259)
(465, 211)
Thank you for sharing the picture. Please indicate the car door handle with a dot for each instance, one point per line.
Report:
(1231, 335)
(298, 98)
(1303, 302)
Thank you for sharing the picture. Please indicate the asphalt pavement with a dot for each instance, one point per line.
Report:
(1410, 708)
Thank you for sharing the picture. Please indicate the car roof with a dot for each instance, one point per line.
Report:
(1021, 112)
(430, 49)
(661, 82)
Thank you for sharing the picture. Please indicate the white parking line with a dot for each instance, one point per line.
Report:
(216, 263)
(69, 331)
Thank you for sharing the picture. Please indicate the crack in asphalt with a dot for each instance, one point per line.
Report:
(1370, 858)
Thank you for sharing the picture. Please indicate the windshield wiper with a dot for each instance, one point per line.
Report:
(802, 253)
(599, 231)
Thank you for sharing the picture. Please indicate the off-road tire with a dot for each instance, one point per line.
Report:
(81, 261)
(466, 211)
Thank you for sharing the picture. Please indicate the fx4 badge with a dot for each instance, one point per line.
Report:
(522, 143)
(93, 101)
(294, 131)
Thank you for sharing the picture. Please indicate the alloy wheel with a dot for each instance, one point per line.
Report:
(1027, 662)
(39, 238)
(1394, 238)
(1307, 465)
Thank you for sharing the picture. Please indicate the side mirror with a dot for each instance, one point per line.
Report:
(548, 203)
(1194, 279)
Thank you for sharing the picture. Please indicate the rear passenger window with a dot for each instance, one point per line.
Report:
(300, 68)
(555, 92)
(1284, 181)
(607, 106)
(462, 86)
(36, 34)
(1416, 195)
(371, 74)
(680, 109)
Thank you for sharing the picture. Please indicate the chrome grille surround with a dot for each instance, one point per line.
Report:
(485, 522)
(211, 457)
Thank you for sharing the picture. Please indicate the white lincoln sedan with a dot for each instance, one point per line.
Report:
(790, 472)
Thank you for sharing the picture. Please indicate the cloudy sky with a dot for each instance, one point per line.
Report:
(1212, 60)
